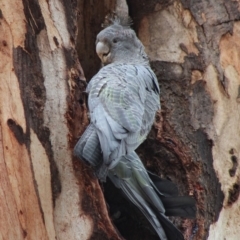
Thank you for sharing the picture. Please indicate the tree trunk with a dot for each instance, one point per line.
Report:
(44, 193)
(193, 46)
(194, 49)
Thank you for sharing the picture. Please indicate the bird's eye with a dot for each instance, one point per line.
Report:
(115, 40)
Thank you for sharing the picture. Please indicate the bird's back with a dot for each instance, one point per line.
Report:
(129, 94)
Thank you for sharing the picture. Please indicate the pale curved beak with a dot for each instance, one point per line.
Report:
(102, 50)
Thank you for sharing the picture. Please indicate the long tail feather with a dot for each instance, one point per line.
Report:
(166, 187)
(171, 231)
(181, 206)
(131, 177)
(141, 204)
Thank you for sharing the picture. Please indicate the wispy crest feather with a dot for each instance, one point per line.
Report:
(114, 18)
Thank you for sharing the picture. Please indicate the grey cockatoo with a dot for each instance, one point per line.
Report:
(123, 100)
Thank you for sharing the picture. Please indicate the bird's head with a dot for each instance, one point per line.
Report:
(119, 43)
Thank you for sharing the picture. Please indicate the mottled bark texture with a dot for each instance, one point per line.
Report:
(194, 49)
(43, 190)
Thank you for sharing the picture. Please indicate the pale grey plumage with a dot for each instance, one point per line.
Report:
(123, 100)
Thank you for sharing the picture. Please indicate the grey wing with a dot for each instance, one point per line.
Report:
(123, 99)
(122, 106)
(132, 100)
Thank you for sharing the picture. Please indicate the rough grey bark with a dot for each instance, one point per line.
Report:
(193, 46)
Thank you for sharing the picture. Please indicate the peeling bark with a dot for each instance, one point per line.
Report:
(42, 192)
(193, 46)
